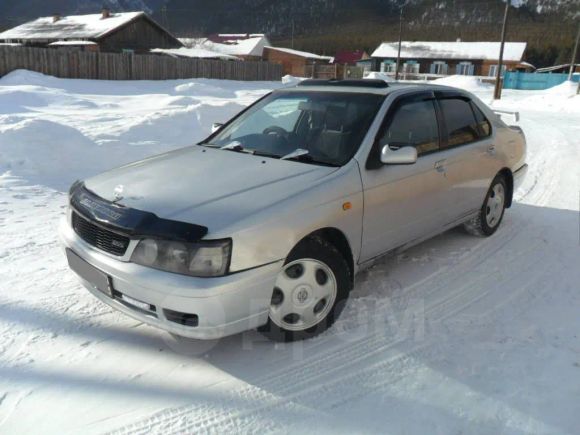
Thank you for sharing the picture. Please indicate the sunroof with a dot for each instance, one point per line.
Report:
(370, 83)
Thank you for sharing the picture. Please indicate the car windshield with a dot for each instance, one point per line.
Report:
(313, 127)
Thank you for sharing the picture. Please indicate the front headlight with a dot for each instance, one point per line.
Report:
(203, 258)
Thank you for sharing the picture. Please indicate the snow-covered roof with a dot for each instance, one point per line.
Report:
(195, 52)
(302, 53)
(71, 42)
(239, 35)
(91, 26)
(253, 46)
(513, 51)
(233, 44)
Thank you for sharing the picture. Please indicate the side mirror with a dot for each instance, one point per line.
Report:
(216, 126)
(406, 155)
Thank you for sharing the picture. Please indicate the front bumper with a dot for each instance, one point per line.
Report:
(223, 305)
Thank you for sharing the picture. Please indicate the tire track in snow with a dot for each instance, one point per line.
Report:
(306, 379)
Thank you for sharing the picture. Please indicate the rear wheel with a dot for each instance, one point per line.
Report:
(309, 292)
(491, 214)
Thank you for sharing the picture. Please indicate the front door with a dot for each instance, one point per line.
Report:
(403, 203)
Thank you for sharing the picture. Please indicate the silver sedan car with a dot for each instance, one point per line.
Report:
(266, 223)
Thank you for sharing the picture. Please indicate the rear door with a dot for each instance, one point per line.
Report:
(404, 202)
(468, 152)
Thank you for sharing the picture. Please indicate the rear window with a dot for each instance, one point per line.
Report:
(482, 122)
(460, 121)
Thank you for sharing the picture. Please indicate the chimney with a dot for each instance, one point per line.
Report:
(56, 17)
(105, 13)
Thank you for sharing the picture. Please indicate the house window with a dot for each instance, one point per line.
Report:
(493, 70)
(388, 66)
(439, 67)
(411, 67)
(464, 69)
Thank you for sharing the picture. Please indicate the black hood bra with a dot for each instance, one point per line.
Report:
(130, 221)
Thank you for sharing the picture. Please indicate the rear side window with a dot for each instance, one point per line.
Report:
(460, 121)
(413, 124)
(482, 122)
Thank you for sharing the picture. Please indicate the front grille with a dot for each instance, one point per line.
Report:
(98, 237)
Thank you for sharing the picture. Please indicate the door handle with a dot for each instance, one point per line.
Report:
(491, 150)
(440, 166)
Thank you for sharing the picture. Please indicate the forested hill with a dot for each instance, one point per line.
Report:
(325, 26)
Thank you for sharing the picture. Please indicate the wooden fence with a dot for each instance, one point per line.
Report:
(117, 66)
(334, 71)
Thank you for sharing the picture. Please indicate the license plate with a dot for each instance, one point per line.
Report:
(99, 280)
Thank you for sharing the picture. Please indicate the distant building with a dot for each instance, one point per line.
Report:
(246, 46)
(350, 57)
(294, 62)
(446, 58)
(108, 32)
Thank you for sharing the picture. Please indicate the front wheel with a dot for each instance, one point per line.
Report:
(491, 214)
(309, 293)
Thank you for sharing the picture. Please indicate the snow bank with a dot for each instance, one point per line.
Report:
(53, 131)
(373, 75)
(465, 332)
(559, 99)
(469, 83)
(291, 80)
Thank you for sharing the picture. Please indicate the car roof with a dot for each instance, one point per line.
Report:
(364, 86)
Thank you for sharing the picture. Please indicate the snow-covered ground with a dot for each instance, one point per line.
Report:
(457, 335)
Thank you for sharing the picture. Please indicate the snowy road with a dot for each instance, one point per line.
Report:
(456, 335)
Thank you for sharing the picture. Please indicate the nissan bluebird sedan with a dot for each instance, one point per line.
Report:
(266, 223)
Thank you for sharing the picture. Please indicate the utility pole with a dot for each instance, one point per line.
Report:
(573, 61)
(164, 22)
(400, 39)
(497, 90)
(292, 30)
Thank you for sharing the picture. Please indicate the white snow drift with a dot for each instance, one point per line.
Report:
(457, 335)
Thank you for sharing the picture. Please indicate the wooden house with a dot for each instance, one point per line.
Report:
(294, 62)
(448, 58)
(105, 32)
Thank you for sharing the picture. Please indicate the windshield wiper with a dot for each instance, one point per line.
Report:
(237, 147)
(298, 152)
(303, 155)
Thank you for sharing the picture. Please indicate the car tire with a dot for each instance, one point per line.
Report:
(310, 292)
(491, 214)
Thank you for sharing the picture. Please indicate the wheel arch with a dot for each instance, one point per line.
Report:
(509, 179)
(336, 238)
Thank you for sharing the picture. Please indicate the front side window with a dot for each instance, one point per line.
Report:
(327, 126)
(460, 121)
(413, 124)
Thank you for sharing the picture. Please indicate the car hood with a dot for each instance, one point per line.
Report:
(206, 186)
